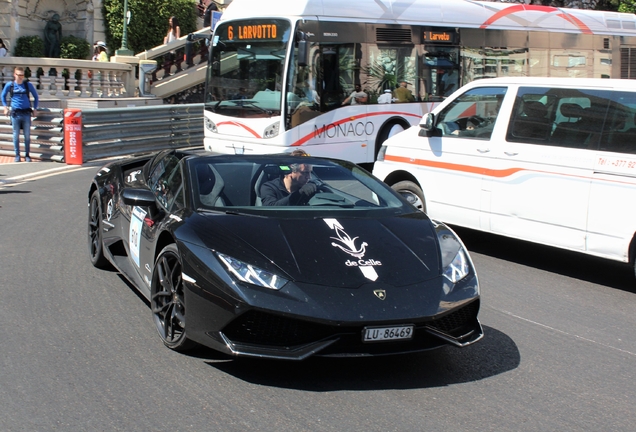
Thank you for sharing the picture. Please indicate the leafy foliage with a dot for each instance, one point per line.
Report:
(72, 47)
(628, 6)
(148, 23)
(29, 46)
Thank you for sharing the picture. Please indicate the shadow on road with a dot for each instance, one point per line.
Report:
(493, 355)
(567, 263)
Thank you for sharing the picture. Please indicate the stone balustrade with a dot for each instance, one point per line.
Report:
(66, 79)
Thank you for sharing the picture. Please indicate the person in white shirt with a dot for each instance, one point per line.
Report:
(385, 97)
(356, 97)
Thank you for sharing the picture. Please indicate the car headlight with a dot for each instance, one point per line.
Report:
(458, 268)
(455, 261)
(250, 274)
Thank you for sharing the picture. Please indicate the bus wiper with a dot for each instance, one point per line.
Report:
(253, 103)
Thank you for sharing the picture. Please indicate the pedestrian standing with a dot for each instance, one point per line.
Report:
(174, 33)
(3, 49)
(19, 107)
(207, 15)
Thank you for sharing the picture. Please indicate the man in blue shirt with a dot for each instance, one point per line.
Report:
(20, 110)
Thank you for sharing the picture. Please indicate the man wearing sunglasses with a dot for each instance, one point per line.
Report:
(20, 109)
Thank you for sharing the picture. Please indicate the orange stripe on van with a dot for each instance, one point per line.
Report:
(455, 167)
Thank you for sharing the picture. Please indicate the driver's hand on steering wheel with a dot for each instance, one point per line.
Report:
(308, 190)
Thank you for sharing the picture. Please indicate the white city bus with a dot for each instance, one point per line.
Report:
(280, 72)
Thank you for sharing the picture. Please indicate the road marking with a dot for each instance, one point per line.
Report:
(563, 332)
(21, 179)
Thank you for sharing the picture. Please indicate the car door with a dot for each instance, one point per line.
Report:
(450, 166)
(165, 180)
(540, 189)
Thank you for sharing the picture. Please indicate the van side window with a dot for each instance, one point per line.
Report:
(473, 114)
(571, 118)
(531, 117)
(619, 134)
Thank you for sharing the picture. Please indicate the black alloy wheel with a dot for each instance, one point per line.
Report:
(167, 300)
(95, 246)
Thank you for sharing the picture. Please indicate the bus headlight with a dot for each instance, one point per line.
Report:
(271, 131)
(211, 125)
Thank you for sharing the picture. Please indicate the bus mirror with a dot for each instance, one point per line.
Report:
(303, 53)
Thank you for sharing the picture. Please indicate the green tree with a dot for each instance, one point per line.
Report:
(628, 6)
(29, 46)
(148, 23)
(72, 47)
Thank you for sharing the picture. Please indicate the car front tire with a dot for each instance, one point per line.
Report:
(95, 245)
(167, 300)
(412, 193)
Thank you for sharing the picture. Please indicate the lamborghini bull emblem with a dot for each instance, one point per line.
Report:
(346, 243)
(381, 294)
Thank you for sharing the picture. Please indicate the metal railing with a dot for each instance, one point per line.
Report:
(177, 72)
(112, 132)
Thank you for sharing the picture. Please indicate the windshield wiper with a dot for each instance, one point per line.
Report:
(253, 103)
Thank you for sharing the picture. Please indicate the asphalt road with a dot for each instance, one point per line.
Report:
(80, 353)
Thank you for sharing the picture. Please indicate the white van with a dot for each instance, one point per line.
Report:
(549, 160)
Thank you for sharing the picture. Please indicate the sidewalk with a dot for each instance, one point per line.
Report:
(15, 171)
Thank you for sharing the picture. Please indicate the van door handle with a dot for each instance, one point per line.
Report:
(486, 150)
(511, 153)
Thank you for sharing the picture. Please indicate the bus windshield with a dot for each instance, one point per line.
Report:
(245, 72)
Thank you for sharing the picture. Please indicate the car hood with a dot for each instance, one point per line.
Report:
(339, 252)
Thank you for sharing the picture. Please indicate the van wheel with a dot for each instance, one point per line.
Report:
(412, 193)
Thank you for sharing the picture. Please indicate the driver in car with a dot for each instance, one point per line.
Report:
(292, 188)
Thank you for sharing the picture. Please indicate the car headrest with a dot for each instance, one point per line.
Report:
(205, 177)
(571, 110)
(535, 109)
(272, 171)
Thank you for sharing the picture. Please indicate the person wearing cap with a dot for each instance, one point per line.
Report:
(402, 94)
(386, 97)
(103, 52)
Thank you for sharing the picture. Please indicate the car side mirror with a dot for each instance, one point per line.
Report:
(141, 198)
(427, 125)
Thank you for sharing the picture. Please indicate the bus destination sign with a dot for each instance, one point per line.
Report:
(253, 32)
(439, 36)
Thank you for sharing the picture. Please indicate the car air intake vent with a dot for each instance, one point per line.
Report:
(262, 328)
(455, 322)
(393, 35)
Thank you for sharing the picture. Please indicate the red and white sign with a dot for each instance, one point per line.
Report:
(73, 136)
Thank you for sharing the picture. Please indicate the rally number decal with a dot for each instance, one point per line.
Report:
(136, 223)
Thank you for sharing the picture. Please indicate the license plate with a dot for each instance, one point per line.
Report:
(379, 334)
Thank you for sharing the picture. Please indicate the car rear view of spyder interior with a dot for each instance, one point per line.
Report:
(552, 161)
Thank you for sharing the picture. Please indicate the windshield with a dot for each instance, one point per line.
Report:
(260, 185)
(245, 72)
